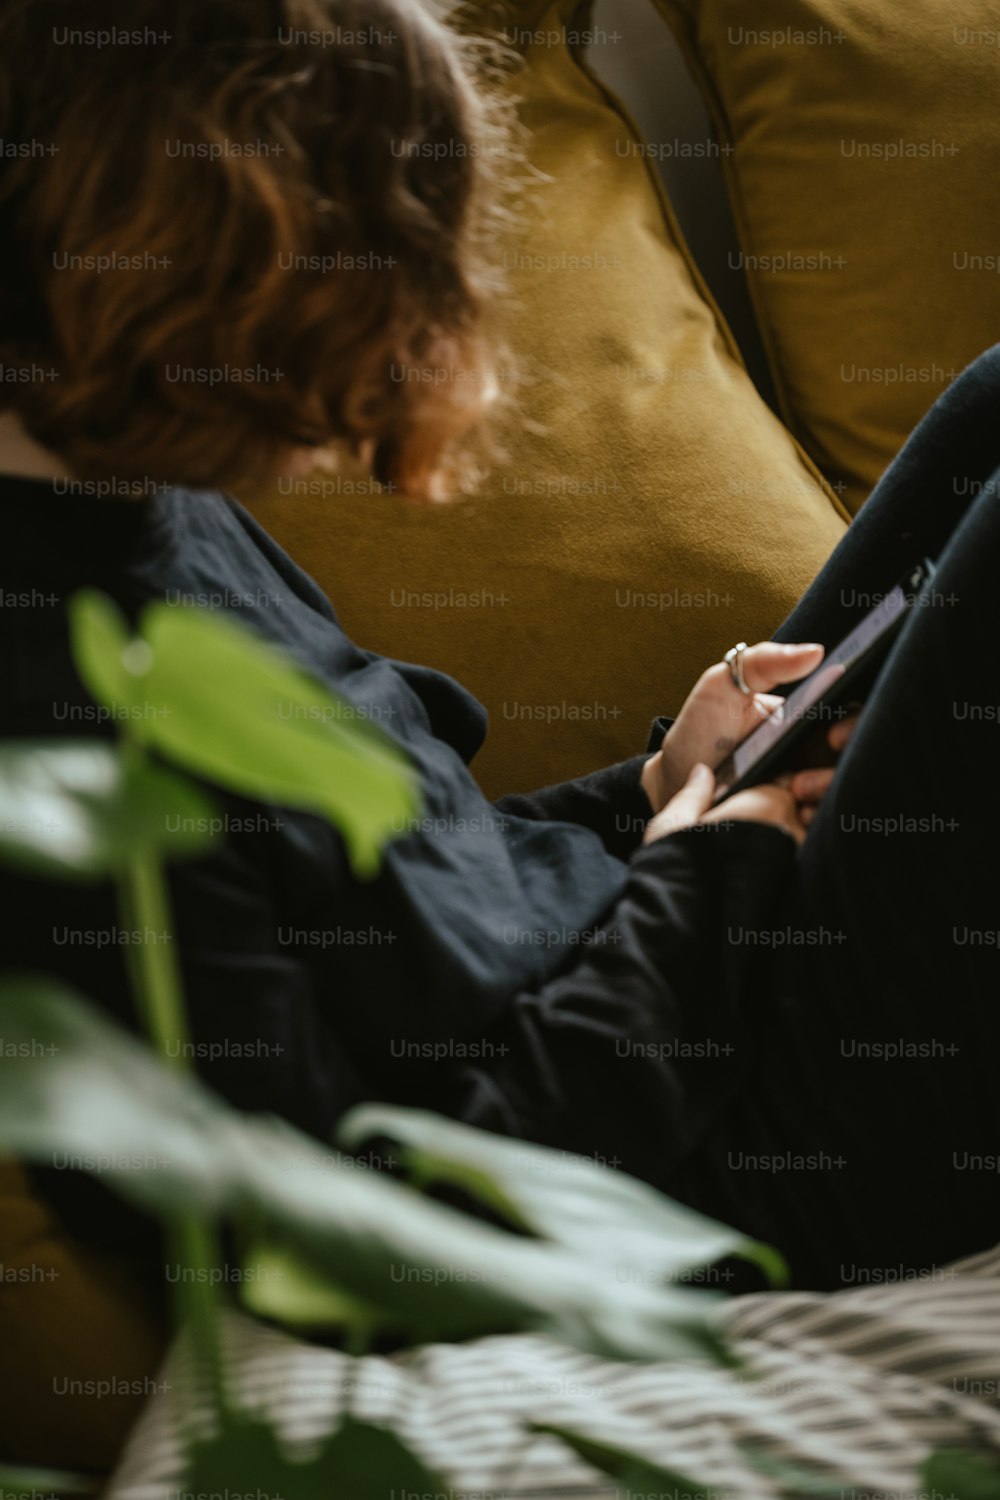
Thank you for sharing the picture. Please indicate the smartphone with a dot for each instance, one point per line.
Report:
(794, 736)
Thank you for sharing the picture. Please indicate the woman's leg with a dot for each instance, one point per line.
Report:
(877, 1005)
(903, 850)
(903, 845)
(887, 1003)
(913, 510)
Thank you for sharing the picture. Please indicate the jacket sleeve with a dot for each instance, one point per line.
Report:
(632, 1055)
(611, 801)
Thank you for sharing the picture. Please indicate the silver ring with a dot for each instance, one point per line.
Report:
(734, 661)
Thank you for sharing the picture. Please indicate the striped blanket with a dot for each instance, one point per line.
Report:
(856, 1388)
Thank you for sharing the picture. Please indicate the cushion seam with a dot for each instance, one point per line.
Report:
(682, 26)
(677, 236)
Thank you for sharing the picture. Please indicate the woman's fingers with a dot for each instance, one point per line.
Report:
(768, 664)
(693, 799)
(770, 803)
(765, 666)
(766, 703)
(840, 735)
(775, 804)
(687, 807)
(809, 787)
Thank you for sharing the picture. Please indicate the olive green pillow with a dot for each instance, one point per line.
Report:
(650, 511)
(864, 177)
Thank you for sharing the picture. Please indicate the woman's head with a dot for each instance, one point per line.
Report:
(232, 228)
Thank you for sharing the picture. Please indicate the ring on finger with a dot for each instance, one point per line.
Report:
(734, 661)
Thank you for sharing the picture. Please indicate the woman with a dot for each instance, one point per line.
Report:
(703, 997)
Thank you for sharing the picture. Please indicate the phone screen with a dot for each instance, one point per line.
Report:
(803, 699)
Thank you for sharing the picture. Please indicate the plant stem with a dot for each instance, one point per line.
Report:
(195, 1248)
(157, 971)
(194, 1242)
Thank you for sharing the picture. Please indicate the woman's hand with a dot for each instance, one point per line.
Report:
(716, 716)
(773, 803)
(789, 803)
(809, 787)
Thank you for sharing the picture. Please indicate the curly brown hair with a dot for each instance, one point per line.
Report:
(232, 228)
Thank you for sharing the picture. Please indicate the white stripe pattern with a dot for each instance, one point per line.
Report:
(856, 1387)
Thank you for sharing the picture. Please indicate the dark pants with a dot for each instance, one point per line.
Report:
(880, 1016)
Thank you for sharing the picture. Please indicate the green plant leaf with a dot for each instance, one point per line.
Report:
(358, 1460)
(962, 1475)
(214, 698)
(591, 1209)
(277, 1284)
(71, 1082)
(440, 1275)
(75, 1086)
(246, 1456)
(42, 1484)
(101, 637)
(640, 1477)
(76, 809)
(372, 1463)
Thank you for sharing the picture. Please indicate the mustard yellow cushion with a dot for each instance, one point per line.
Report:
(651, 509)
(80, 1341)
(864, 181)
